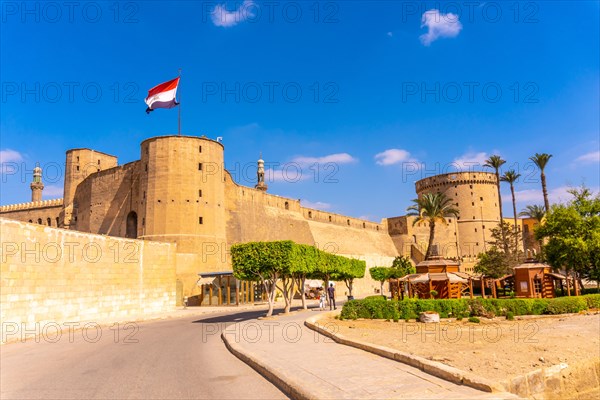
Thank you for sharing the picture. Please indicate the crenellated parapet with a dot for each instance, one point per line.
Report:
(31, 205)
(456, 178)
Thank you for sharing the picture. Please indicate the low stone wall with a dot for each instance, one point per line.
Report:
(53, 276)
(563, 381)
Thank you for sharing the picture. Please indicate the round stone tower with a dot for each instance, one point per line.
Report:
(475, 195)
(183, 198)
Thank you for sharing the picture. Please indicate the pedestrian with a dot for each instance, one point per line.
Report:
(331, 293)
(322, 296)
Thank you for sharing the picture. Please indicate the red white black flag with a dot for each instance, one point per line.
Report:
(162, 96)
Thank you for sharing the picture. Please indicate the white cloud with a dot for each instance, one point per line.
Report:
(53, 191)
(535, 196)
(8, 156)
(221, 17)
(471, 160)
(290, 173)
(439, 26)
(589, 158)
(338, 158)
(393, 156)
(390, 34)
(318, 205)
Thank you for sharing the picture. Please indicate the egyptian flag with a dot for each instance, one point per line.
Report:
(162, 96)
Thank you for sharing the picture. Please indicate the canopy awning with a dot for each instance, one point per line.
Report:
(556, 276)
(313, 283)
(434, 277)
(205, 281)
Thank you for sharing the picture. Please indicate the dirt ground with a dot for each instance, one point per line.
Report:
(496, 349)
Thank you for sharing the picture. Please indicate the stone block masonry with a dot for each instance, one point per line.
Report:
(50, 275)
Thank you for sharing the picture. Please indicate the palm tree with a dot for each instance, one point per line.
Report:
(431, 208)
(496, 162)
(511, 177)
(536, 212)
(540, 160)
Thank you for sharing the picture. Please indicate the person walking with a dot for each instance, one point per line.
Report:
(322, 297)
(331, 293)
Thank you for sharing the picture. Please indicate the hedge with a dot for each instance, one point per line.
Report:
(376, 307)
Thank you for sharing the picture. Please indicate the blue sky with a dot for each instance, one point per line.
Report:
(372, 95)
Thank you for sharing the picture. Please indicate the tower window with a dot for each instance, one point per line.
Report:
(77, 158)
(330, 218)
(483, 226)
(199, 149)
(146, 167)
(200, 193)
(49, 220)
(473, 217)
(77, 168)
(470, 186)
(199, 166)
(30, 221)
(144, 221)
(348, 221)
(98, 162)
(475, 229)
(39, 221)
(287, 205)
(200, 220)
(364, 225)
(481, 198)
(144, 195)
(472, 203)
(310, 214)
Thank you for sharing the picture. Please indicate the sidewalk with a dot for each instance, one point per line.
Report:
(307, 365)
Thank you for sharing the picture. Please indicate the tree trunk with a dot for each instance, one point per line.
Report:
(381, 292)
(545, 191)
(501, 214)
(302, 292)
(431, 237)
(514, 202)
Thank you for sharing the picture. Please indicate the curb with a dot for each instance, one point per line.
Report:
(434, 368)
(281, 379)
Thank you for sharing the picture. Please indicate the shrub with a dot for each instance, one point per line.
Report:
(474, 320)
(593, 300)
(510, 316)
(376, 307)
(565, 305)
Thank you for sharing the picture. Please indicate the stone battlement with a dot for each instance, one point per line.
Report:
(456, 178)
(32, 205)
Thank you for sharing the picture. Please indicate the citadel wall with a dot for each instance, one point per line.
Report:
(53, 276)
(104, 199)
(45, 212)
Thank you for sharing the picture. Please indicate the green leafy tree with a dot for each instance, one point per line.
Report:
(511, 177)
(496, 162)
(493, 263)
(379, 274)
(352, 269)
(541, 160)
(401, 266)
(432, 208)
(573, 235)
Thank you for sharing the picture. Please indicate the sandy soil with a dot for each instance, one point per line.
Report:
(497, 349)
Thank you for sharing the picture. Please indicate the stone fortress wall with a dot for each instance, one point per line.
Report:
(54, 276)
(179, 192)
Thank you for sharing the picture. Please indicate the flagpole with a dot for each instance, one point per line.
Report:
(179, 111)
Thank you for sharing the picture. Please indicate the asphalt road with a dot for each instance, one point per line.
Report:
(174, 359)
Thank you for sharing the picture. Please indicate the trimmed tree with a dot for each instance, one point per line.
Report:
(379, 274)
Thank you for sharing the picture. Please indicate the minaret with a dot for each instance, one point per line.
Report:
(260, 173)
(37, 186)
